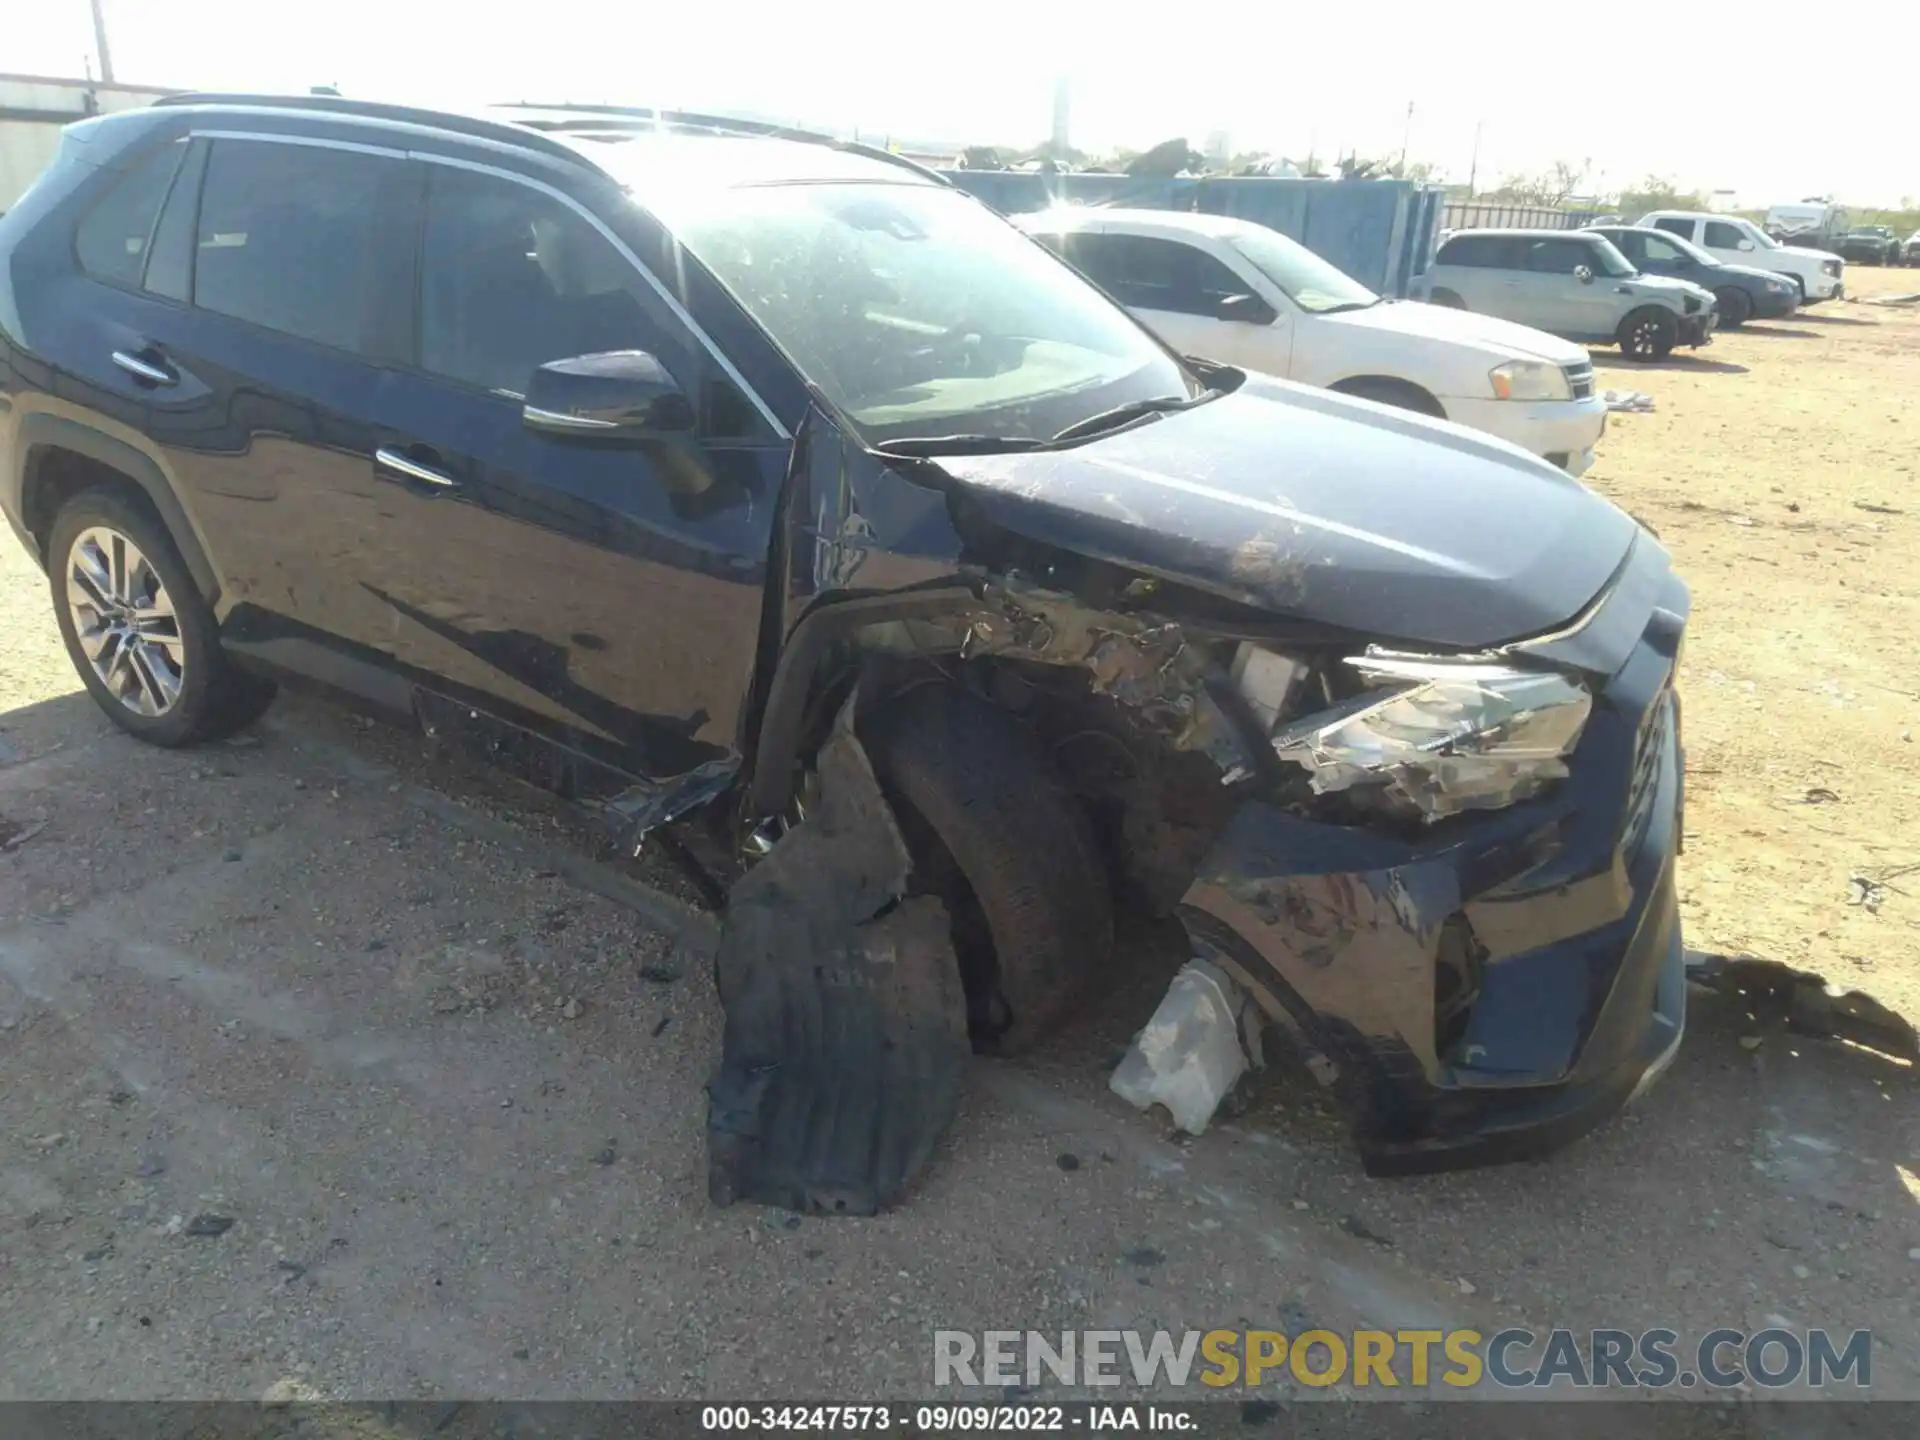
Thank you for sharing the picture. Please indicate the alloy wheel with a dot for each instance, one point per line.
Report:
(1646, 337)
(125, 621)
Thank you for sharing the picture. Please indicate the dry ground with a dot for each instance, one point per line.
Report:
(311, 983)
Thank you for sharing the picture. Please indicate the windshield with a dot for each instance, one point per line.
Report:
(1754, 233)
(1310, 282)
(917, 311)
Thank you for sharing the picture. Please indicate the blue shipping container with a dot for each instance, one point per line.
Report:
(1381, 232)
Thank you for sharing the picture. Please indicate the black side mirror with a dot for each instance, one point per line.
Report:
(619, 395)
(1246, 310)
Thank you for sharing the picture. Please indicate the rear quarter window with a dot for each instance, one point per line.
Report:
(112, 238)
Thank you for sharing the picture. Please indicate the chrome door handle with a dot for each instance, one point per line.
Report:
(393, 460)
(144, 369)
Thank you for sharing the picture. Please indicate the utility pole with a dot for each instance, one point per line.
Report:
(1473, 169)
(100, 42)
(1405, 135)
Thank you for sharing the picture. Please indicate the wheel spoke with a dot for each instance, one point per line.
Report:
(94, 638)
(117, 565)
(89, 573)
(153, 697)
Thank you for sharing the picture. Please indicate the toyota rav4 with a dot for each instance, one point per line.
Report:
(770, 489)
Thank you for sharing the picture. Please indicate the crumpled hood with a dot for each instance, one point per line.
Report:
(1463, 327)
(1324, 508)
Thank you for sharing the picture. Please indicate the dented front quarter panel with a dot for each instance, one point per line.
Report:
(1565, 903)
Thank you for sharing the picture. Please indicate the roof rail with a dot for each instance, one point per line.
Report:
(479, 126)
(605, 121)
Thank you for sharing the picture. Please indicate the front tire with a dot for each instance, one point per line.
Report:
(144, 641)
(1736, 307)
(1648, 334)
(995, 832)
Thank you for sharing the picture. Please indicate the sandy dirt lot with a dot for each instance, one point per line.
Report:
(324, 1060)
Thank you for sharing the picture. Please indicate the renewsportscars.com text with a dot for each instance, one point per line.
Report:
(1654, 1359)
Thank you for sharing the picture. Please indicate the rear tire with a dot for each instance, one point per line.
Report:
(998, 836)
(1736, 307)
(141, 636)
(1648, 334)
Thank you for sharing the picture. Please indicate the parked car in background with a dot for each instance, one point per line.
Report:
(1235, 291)
(1816, 222)
(1870, 245)
(1573, 285)
(1742, 292)
(1820, 274)
(1910, 252)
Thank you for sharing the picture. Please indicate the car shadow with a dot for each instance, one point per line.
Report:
(1788, 332)
(1698, 364)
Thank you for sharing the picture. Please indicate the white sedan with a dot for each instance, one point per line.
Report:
(1237, 292)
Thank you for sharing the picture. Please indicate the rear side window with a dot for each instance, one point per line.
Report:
(1148, 273)
(1135, 269)
(1722, 236)
(112, 240)
(1682, 228)
(291, 237)
(511, 278)
(1483, 252)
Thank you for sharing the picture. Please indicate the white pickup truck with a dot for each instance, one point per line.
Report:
(1237, 292)
(1820, 274)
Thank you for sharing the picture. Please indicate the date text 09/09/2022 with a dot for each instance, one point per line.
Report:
(936, 1419)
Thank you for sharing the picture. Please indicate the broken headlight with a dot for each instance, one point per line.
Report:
(1434, 738)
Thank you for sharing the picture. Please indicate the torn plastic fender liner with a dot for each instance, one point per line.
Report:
(846, 1033)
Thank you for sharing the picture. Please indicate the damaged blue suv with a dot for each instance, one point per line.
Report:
(768, 494)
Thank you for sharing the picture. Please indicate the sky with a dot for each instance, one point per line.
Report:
(1773, 103)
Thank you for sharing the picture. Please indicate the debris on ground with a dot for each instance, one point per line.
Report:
(1203, 1037)
(1806, 1003)
(208, 1224)
(846, 1036)
(1635, 401)
(1878, 509)
(1909, 299)
(1868, 894)
(15, 833)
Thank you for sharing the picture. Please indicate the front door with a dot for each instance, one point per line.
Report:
(608, 596)
(1564, 283)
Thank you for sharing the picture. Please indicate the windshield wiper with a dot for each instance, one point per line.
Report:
(1345, 305)
(1120, 414)
(918, 446)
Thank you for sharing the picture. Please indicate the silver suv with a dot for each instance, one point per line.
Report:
(1577, 286)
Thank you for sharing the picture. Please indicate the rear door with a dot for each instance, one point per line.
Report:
(606, 597)
(1485, 272)
(279, 273)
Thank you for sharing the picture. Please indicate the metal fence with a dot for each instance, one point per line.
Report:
(1500, 215)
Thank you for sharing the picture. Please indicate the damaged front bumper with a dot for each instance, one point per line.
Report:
(1498, 985)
